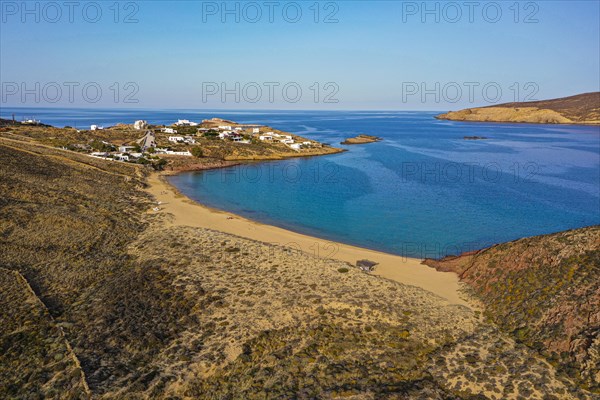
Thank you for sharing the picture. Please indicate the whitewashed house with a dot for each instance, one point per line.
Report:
(178, 153)
(96, 128)
(255, 130)
(225, 134)
(126, 149)
(141, 124)
(185, 122)
(296, 146)
(225, 127)
(169, 130)
(287, 141)
(99, 154)
(266, 137)
(176, 139)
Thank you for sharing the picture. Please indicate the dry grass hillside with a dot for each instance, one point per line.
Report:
(545, 291)
(30, 337)
(579, 109)
(150, 312)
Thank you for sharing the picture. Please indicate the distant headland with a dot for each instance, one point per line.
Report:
(578, 109)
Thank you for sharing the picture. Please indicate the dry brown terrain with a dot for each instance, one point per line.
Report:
(152, 310)
(29, 336)
(545, 291)
(579, 109)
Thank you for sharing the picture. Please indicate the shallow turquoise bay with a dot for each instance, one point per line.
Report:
(423, 191)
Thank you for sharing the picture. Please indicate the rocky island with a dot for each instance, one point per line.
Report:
(362, 139)
(579, 109)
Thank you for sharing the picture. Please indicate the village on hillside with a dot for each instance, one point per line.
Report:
(159, 145)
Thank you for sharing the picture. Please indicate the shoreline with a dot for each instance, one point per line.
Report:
(593, 124)
(187, 212)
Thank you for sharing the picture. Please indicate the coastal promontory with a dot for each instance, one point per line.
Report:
(578, 109)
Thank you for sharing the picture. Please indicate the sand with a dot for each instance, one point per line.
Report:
(185, 212)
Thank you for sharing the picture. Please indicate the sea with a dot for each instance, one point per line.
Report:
(423, 191)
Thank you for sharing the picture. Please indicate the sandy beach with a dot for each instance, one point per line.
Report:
(186, 212)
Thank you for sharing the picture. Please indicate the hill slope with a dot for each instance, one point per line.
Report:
(156, 312)
(545, 291)
(578, 109)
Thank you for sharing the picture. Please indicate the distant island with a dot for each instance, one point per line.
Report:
(579, 109)
(361, 139)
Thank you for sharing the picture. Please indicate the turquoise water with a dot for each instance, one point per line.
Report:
(422, 191)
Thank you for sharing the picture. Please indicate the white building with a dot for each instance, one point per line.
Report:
(266, 137)
(96, 128)
(141, 124)
(178, 153)
(225, 135)
(296, 146)
(176, 139)
(307, 143)
(185, 122)
(255, 130)
(225, 127)
(126, 149)
(287, 141)
(169, 130)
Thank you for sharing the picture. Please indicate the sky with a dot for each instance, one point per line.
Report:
(347, 55)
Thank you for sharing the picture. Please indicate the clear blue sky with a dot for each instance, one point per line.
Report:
(373, 54)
